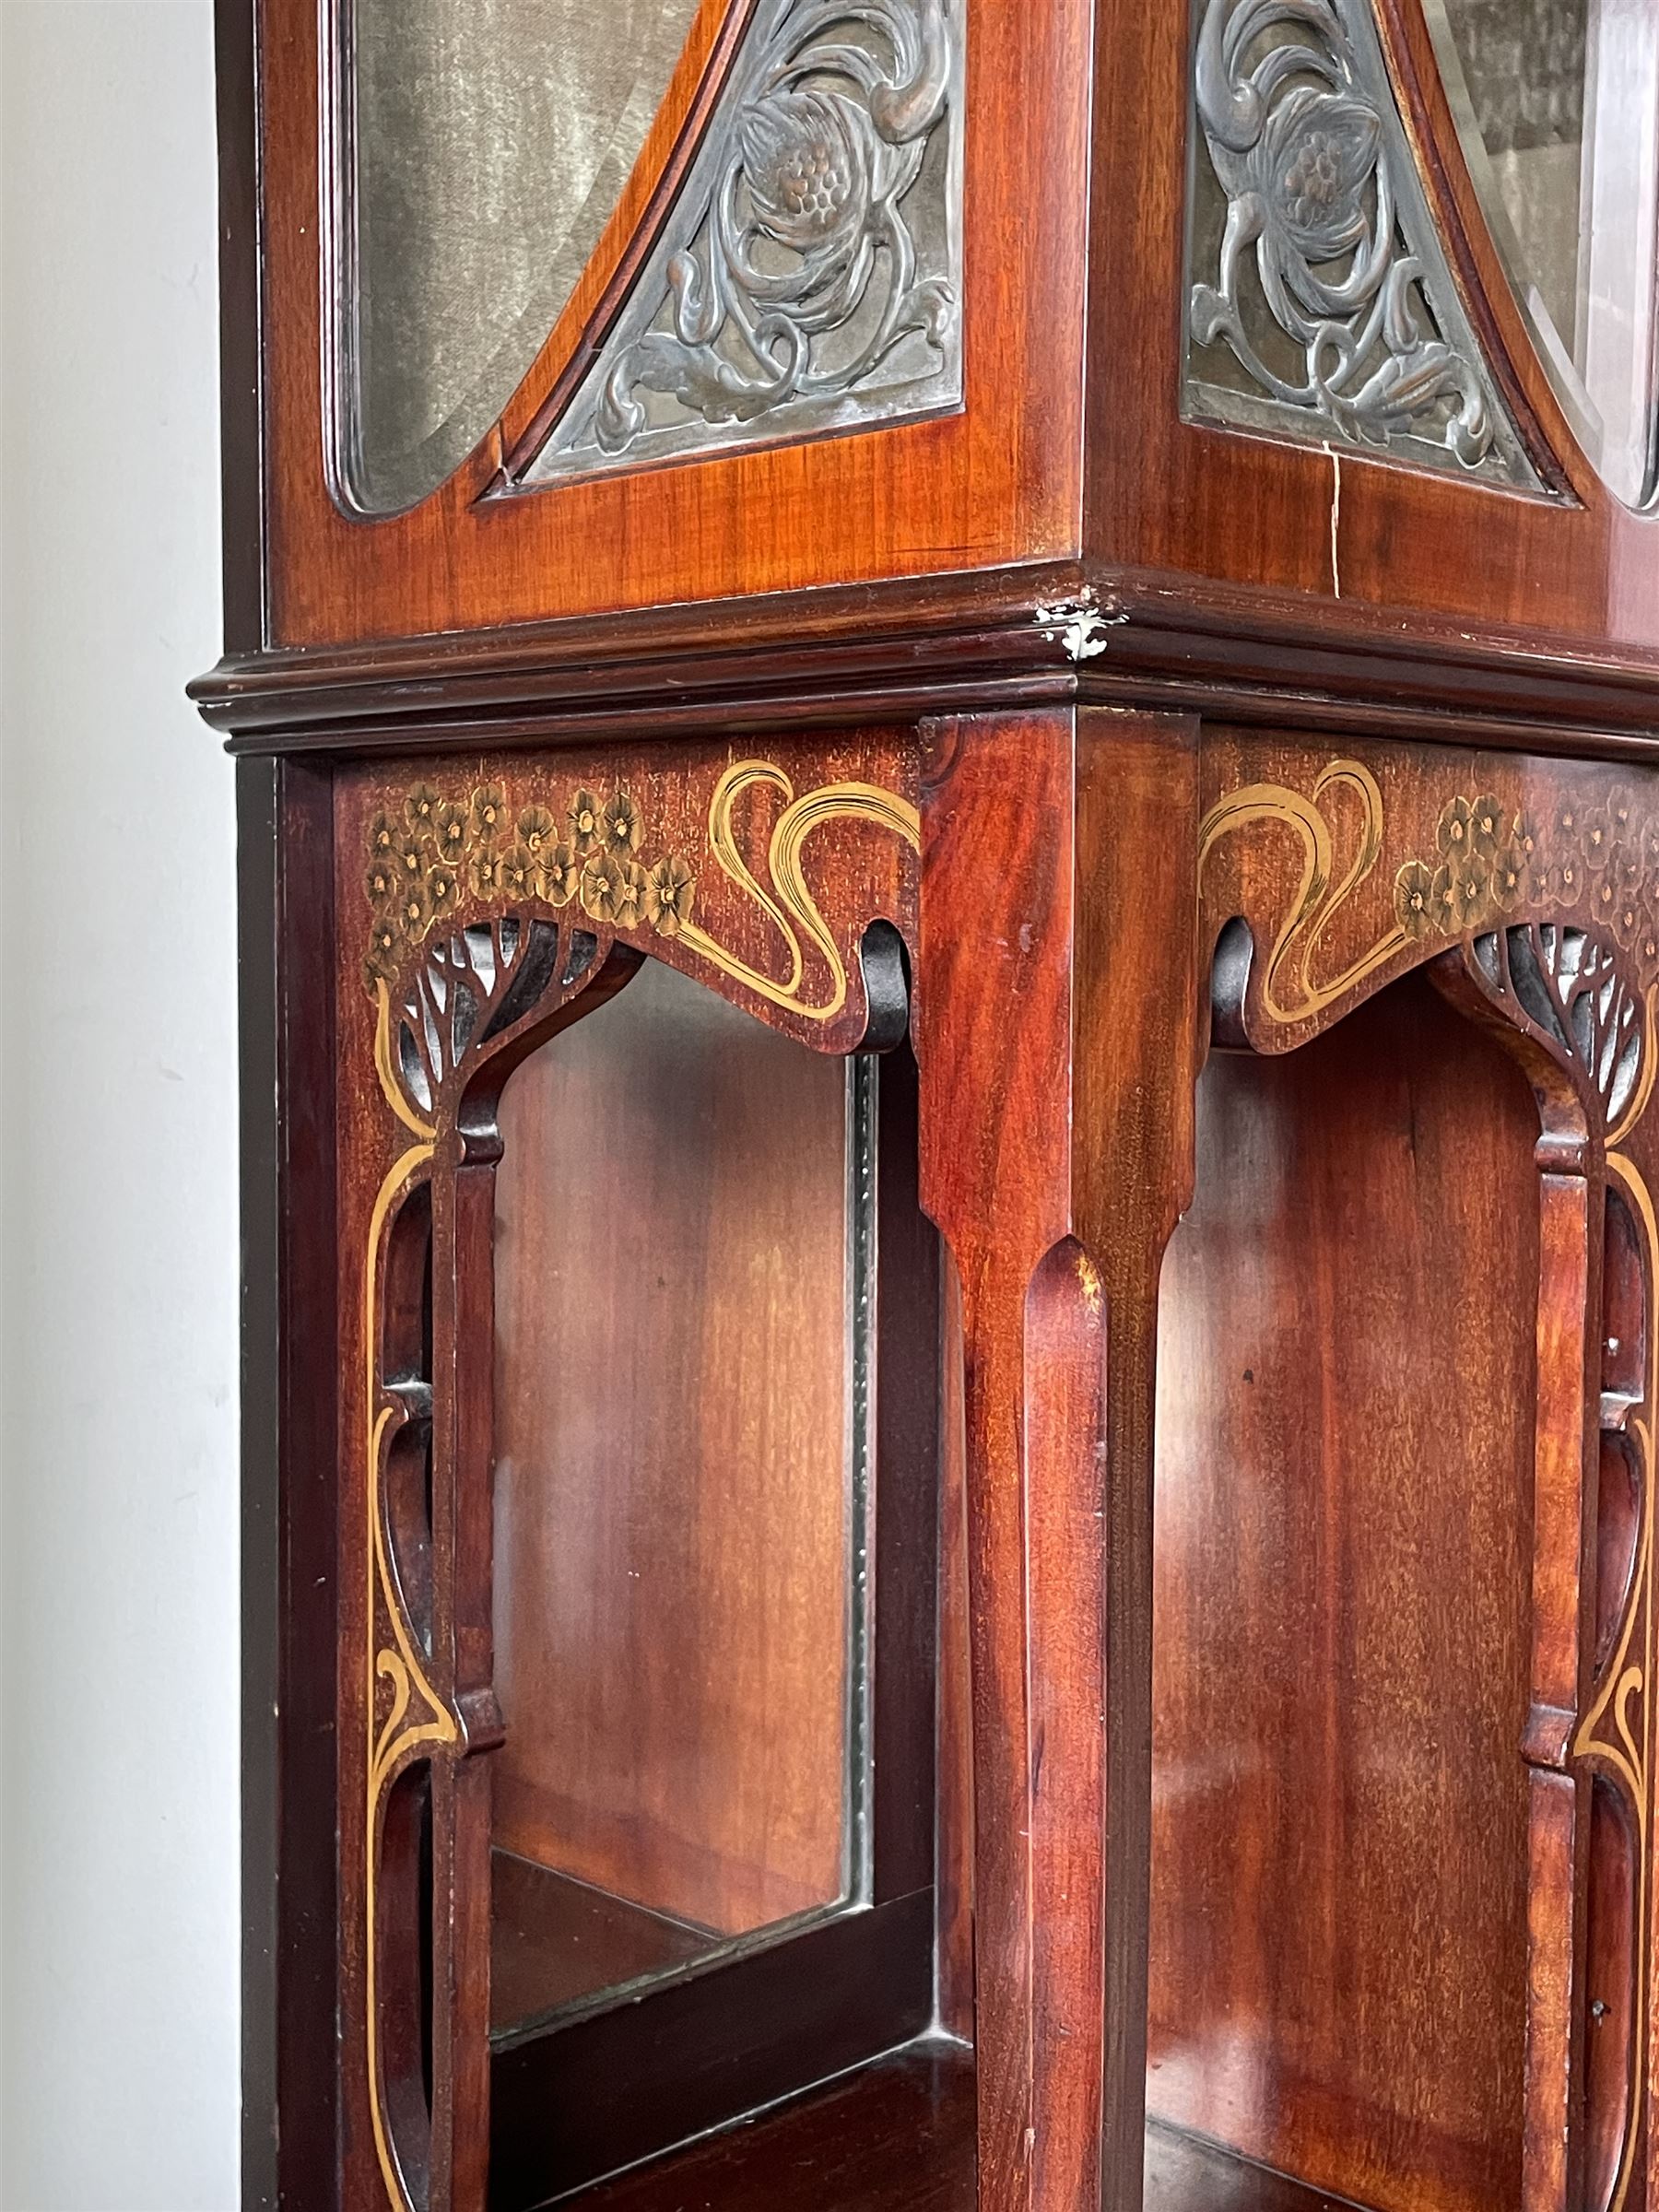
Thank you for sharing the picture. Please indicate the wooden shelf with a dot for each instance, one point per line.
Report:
(1185, 2175)
(898, 2136)
(555, 1941)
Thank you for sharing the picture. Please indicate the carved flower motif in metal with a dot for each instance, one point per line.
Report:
(807, 227)
(810, 159)
(803, 278)
(1328, 243)
(1312, 166)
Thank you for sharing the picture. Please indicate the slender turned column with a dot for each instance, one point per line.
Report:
(1057, 1015)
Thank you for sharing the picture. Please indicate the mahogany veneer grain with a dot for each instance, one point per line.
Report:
(896, 2136)
(672, 1541)
(1342, 1539)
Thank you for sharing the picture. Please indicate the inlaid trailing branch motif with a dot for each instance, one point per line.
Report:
(472, 983)
(438, 860)
(1328, 243)
(490, 909)
(1491, 861)
(406, 1718)
(437, 856)
(801, 270)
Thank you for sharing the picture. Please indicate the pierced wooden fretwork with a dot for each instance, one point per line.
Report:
(498, 913)
(1492, 860)
(448, 1028)
(1571, 985)
(474, 985)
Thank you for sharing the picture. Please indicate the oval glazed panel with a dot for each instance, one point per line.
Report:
(1557, 106)
(490, 143)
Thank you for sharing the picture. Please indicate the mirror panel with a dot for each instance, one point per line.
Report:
(490, 143)
(680, 1496)
(1558, 105)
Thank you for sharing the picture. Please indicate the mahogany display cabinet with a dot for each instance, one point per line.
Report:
(948, 726)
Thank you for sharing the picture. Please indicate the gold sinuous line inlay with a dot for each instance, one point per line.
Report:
(1625, 1751)
(433, 864)
(1491, 863)
(437, 860)
(395, 1663)
(1496, 867)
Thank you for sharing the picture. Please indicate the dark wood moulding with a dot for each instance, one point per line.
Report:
(1044, 635)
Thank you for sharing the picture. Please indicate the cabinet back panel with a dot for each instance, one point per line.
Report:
(672, 1538)
(1343, 1527)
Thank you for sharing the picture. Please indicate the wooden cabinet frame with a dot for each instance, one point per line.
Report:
(1308, 871)
(1069, 740)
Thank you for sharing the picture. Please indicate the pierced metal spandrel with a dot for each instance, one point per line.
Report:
(810, 277)
(1320, 303)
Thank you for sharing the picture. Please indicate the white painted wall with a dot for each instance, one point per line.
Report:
(118, 1255)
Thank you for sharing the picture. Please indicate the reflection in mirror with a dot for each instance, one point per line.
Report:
(492, 142)
(1557, 105)
(681, 1286)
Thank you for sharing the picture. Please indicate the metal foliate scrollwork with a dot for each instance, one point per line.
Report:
(811, 275)
(1332, 291)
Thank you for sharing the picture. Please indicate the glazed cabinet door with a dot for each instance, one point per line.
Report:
(598, 306)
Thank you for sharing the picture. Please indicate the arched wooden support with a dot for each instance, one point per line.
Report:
(496, 915)
(1521, 895)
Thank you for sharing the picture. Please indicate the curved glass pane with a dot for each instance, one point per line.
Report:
(492, 142)
(1558, 102)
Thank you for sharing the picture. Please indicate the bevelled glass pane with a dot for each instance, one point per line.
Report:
(1558, 102)
(492, 140)
(681, 1492)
